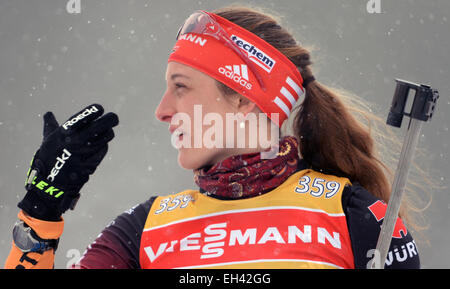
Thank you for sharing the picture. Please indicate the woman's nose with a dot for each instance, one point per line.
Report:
(165, 109)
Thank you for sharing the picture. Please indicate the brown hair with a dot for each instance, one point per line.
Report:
(331, 139)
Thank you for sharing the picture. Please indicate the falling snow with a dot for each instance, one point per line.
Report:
(116, 55)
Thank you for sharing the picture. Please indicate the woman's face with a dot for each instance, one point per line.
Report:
(190, 96)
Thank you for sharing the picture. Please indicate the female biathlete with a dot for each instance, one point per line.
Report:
(315, 199)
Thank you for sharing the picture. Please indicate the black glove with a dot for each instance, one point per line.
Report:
(68, 155)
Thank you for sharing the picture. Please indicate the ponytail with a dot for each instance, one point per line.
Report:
(333, 141)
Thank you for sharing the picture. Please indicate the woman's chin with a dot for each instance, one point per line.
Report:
(195, 158)
(189, 160)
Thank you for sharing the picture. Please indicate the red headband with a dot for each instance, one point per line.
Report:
(282, 80)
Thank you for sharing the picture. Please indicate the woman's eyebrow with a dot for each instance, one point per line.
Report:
(173, 76)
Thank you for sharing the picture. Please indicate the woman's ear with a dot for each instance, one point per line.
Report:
(244, 105)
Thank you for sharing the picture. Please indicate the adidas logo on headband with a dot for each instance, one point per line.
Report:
(238, 73)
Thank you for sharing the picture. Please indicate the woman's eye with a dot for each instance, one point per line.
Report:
(179, 85)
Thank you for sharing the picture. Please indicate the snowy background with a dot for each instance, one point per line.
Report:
(114, 53)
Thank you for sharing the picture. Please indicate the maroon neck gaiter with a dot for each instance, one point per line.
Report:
(248, 175)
